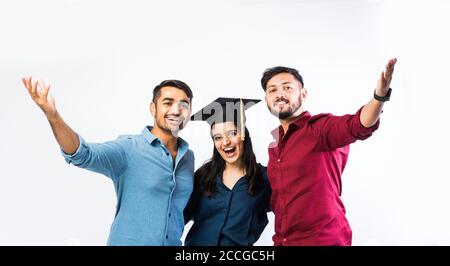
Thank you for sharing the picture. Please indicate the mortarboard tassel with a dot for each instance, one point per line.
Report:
(241, 110)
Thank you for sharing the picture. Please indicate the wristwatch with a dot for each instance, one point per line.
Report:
(382, 98)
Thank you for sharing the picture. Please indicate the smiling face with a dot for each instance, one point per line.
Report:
(284, 96)
(172, 110)
(228, 142)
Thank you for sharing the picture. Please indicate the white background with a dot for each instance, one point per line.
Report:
(103, 59)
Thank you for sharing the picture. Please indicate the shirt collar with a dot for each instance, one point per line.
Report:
(146, 132)
(298, 123)
(238, 186)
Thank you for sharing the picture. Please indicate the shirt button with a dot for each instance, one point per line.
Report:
(167, 236)
(278, 160)
(284, 239)
(169, 214)
(167, 153)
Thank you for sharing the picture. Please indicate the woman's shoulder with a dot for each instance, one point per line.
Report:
(262, 170)
(261, 167)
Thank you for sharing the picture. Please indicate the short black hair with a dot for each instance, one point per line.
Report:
(270, 72)
(172, 83)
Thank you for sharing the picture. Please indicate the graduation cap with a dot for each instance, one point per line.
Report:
(226, 110)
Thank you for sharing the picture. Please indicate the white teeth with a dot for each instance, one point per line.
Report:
(228, 149)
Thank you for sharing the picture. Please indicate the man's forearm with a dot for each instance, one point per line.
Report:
(372, 110)
(371, 113)
(65, 136)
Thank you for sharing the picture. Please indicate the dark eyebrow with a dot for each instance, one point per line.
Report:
(172, 100)
(186, 101)
(284, 83)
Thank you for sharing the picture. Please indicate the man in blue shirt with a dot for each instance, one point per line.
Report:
(152, 172)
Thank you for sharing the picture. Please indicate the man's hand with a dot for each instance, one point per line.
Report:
(65, 136)
(39, 93)
(384, 82)
(372, 110)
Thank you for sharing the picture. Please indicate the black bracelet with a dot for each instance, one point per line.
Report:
(382, 98)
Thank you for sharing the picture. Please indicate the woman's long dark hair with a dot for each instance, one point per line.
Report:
(206, 175)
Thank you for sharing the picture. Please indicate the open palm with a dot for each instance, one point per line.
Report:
(39, 93)
(384, 82)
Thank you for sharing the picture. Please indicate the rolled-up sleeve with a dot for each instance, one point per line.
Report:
(107, 158)
(339, 131)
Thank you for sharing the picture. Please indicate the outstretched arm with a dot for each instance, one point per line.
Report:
(339, 131)
(372, 110)
(65, 136)
(107, 158)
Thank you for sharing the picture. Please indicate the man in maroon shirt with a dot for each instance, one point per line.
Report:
(308, 156)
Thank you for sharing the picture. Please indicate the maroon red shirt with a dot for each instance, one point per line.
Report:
(305, 167)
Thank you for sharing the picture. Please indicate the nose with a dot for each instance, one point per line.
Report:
(225, 141)
(280, 94)
(175, 109)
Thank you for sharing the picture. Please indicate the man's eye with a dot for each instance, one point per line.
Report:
(288, 88)
(166, 103)
(184, 105)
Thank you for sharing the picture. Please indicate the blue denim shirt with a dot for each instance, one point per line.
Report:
(152, 191)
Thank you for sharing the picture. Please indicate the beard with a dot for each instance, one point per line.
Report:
(291, 109)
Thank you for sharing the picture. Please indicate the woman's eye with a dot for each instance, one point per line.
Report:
(232, 134)
(217, 138)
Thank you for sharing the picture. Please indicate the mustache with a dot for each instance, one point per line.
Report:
(281, 100)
